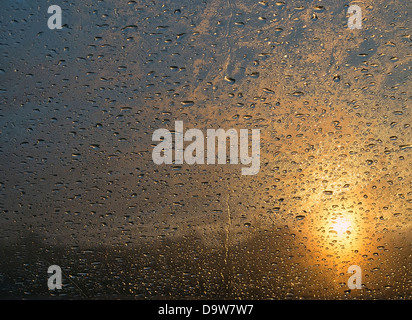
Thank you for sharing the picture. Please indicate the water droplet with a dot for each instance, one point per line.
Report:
(230, 80)
(187, 103)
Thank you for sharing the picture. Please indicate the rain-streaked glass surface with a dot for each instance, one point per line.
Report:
(79, 187)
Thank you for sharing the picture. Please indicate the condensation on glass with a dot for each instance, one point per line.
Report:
(79, 188)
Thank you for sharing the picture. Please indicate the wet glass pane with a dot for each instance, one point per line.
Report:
(213, 149)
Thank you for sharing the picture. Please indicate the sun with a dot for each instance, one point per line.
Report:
(341, 225)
